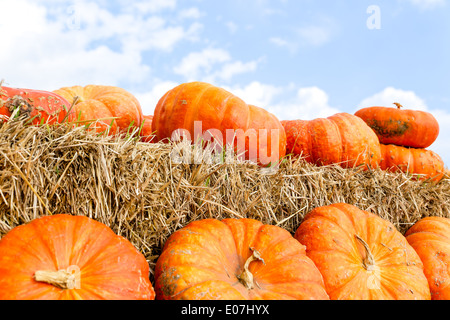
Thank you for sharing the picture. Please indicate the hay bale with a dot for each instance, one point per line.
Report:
(137, 190)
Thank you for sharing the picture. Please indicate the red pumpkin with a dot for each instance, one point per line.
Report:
(216, 112)
(235, 259)
(430, 237)
(65, 257)
(426, 164)
(108, 108)
(402, 127)
(362, 256)
(41, 106)
(342, 139)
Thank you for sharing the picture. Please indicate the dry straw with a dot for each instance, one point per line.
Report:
(137, 190)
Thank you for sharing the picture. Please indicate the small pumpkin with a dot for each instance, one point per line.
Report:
(146, 131)
(430, 237)
(40, 106)
(65, 257)
(106, 108)
(424, 163)
(403, 127)
(361, 256)
(253, 132)
(235, 259)
(342, 139)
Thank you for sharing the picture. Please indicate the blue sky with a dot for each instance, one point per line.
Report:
(300, 59)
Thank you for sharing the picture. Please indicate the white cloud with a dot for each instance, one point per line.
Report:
(232, 27)
(152, 6)
(47, 44)
(314, 35)
(195, 64)
(148, 100)
(427, 4)
(191, 13)
(389, 95)
(257, 93)
(307, 103)
(310, 103)
(211, 65)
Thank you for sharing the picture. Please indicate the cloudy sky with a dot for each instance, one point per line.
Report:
(300, 59)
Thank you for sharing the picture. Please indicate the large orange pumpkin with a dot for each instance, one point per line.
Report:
(105, 107)
(40, 106)
(339, 139)
(361, 256)
(250, 130)
(235, 259)
(430, 237)
(403, 127)
(426, 164)
(65, 257)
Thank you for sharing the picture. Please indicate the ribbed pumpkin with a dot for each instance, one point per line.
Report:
(225, 116)
(41, 106)
(339, 139)
(65, 257)
(105, 107)
(430, 237)
(146, 132)
(235, 259)
(361, 256)
(403, 127)
(424, 163)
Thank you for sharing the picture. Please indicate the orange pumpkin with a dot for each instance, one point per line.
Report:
(235, 259)
(146, 131)
(65, 257)
(342, 139)
(403, 127)
(111, 108)
(361, 256)
(430, 237)
(40, 106)
(253, 132)
(424, 163)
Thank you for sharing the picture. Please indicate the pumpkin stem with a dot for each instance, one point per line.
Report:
(77, 100)
(368, 259)
(62, 279)
(246, 277)
(399, 106)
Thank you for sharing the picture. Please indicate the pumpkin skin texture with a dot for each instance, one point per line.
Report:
(41, 106)
(342, 139)
(361, 256)
(430, 237)
(402, 127)
(146, 131)
(111, 108)
(425, 163)
(110, 268)
(219, 112)
(221, 260)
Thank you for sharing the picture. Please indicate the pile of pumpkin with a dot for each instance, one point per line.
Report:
(376, 137)
(337, 252)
